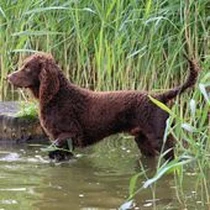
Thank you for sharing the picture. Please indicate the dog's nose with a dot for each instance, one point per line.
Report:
(10, 77)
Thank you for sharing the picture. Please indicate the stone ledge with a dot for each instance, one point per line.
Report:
(19, 129)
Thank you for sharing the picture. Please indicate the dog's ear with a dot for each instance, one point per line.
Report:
(49, 81)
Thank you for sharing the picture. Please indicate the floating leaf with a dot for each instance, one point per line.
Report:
(53, 148)
(50, 148)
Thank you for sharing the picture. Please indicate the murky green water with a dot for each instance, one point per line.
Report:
(97, 179)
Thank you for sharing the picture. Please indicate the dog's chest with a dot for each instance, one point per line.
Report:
(48, 125)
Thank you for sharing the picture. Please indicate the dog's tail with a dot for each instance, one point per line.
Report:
(190, 81)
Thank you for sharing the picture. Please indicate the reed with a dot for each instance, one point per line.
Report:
(191, 129)
(106, 45)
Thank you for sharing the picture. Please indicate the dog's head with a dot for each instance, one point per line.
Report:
(28, 74)
(38, 72)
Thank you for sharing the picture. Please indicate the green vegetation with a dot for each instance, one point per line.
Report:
(192, 126)
(121, 44)
(28, 110)
(110, 44)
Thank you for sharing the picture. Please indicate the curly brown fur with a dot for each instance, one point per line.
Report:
(69, 111)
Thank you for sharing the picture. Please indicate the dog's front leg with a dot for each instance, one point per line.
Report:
(64, 139)
(64, 147)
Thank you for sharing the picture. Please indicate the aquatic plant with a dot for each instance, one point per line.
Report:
(192, 133)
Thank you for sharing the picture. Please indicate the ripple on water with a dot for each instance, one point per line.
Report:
(15, 157)
(10, 157)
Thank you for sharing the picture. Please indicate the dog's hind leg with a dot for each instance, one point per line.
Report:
(168, 147)
(151, 146)
(145, 146)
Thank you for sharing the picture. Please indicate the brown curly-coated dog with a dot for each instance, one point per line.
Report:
(68, 111)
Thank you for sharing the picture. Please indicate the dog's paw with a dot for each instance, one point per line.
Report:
(59, 155)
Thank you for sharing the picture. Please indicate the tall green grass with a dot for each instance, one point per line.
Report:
(112, 44)
(192, 132)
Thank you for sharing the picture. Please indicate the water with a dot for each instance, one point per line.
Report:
(97, 179)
